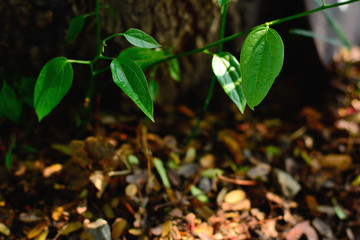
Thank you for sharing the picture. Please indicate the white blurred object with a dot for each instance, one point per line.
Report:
(346, 16)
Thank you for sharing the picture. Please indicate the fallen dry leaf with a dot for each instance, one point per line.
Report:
(56, 214)
(79, 153)
(342, 162)
(300, 229)
(235, 196)
(43, 235)
(288, 185)
(100, 181)
(32, 216)
(118, 228)
(166, 229)
(232, 144)
(4, 229)
(37, 230)
(71, 227)
(99, 229)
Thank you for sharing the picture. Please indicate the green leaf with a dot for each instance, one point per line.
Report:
(310, 34)
(153, 88)
(227, 70)
(261, 60)
(159, 166)
(198, 193)
(140, 39)
(211, 172)
(9, 156)
(223, 2)
(144, 57)
(129, 77)
(53, 83)
(10, 105)
(174, 69)
(75, 27)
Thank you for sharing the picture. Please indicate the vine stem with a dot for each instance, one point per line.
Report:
(98, 27)
(236, 35)
(209, 94)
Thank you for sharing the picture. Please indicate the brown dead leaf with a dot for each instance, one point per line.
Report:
(4, 229)
(56, 214)
(7, 216)
(32, 216)
(82, 206)
(99, 147)
(50, 170)
(190, 155)
(207, 161)
(43, 235)
(288, 185)
(235, 196)
(136, 231)
(100, 181)
(268, 228)
(342, 162)
(118, 228)
(312, 118)
(228, 138)
(71, 227)
(204, 229)
(300, 229)
(166, 229)
(131, 190)
(244, 204)
(323, 228)
(79, 153)
(312, 204)
(35, 231)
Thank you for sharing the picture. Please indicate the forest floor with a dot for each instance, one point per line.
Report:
(252, 179)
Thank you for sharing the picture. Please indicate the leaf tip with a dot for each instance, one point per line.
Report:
(152, 118)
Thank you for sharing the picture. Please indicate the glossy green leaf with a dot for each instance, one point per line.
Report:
(227, 70)
(53, 83)
(10, 105)
(76, 25)
(140, 39)
(261, 60)
(129, 77)
(144, 57)
(223, 2)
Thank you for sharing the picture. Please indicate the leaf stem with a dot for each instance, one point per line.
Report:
(79, 61)
(112, 36)
(89, 14)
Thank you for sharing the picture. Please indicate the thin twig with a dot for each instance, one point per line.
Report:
(238, 181)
